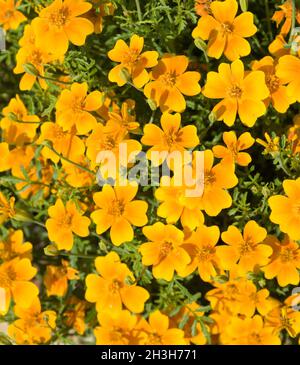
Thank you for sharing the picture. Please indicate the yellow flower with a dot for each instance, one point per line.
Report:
(14, 279)
(115, 286)
(132, 61)
(201, 246)
(96, 15)
(75, 176)
(63, 222)
(248, 250)
(117, 327)
(74, 316)
(124, 119)
(285, 13)
(60, 22)
(157, 332)
(7, 210)
(170, 82)
(33, 326)
(202, 7)
(249, 331)
(164, 251)
(224, 31)
(232, 152)
(5, 163)
(118, 211)
(217, 179)
(242, 93)
(10, 17)
(284, 317)
(271, 144)
(170, 139)
(285, 209)
(65, 143)
(288, 71)
(19, 127)
(73, 107)
(278, 92)
(285, 261)
(13, 246)
(56, 278)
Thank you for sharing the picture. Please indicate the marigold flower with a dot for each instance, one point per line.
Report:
(116, 328)
(14, 279)
(131, 60)
(7, 210)
(17, 125)
(284, 317)
(278, 92)
(115, 286)
(168, 139)
(170, 82)
(74, 316)
(271, 144)
(201, 246)
(73, 107)
(285, 14)
(241, 93)
(224, 31)
(285, 261)
(13, 246)
(248, 250)
(10, 17)
(288, 71)
(118, 211)
(5, 163)
(157, 332)
(65, 143)
(124, 119)
(60, 22)
(202, 7)
(76, 176)
(56, 278)
(232, 152)
(285, 209)
(63, 222)
(96, 15)
(217, 179)
(33, 326)
(164, 251)
(249, 331)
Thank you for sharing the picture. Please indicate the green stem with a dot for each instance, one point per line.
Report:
(167, 11)
(138, 8)
(77, 255)
(55, 80)
(268, 18)
(71, 162)
(33, 182)
(283, 166)
(293, 21)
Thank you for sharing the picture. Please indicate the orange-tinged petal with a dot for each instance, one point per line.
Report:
(93, 101)
(102, 220)
(24, 293)
(153, 135)
(236, 47)
(78, 29)
(292, 188)
(136, 43)
(224, 11)
(254, 232)
(121, 231)
(175, 101)
(206, 24)
(243, 25)
(232, 236)
(117, 53)
(251, 83)
(135, 212)
(134, 298)
(250, 110)
(24, 270)
(159, 322)
(187, 83)
(126, 193)
(226, 110)
(216, 44)
(95, 286)
(116, 75)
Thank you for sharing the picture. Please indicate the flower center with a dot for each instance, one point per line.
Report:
(8, 14)
(115, 286)
(165, 249)
(272, 82)
(7, 278)
(209, 178)
(77, 104)
(246, 246)
(169, 78)
(119, 335)
(154, 339)
(110, 143)
(233, 149)
(131, 58)
(227, 28)
(117, 208)
(288, 254)
(66, 221)
(254, 338)
(59, 17)
(36, 57)
(172, 137)
(235, 92)
(205, 253)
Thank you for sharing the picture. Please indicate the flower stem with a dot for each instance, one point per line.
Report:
(138, 8)
(293, 24)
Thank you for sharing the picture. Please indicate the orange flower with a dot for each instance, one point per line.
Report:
(131, 60)
(73, 107)
(116, 328)
(202, 7)
(217, 179)
(285, 261)
(75, 314)
(32, 326)
(171, 138)
(7, 210)
(170, 81)
(249, 331)
(63, 222)
(284, 317)
(232, 152)
(241, 93)
(10, 17)
(18, 126)
(201, 248)
(164, 251)
(224, 31)
(76, 176)
(248, 250)
(157, 332)
(115, 286)
(285, 209)
(278, 92)
(56, 278)
(288, 71)
(14, 247)
(96, 15)
(5, 163)
(64, 142)
(14, 279)
(124, 119)
(60, 22)
(271, 144)
(285, 13)
(118, 211)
